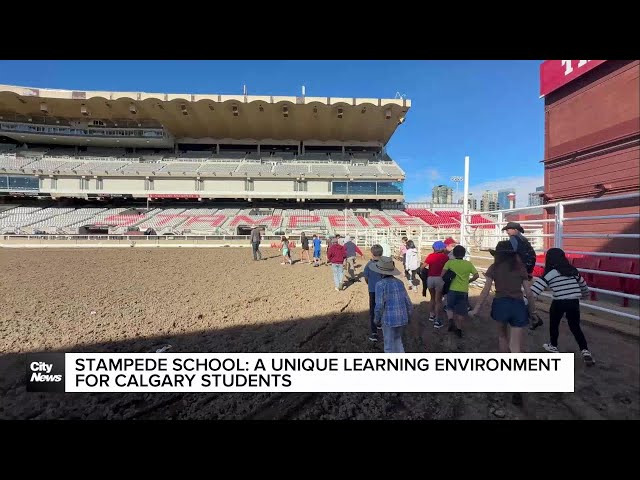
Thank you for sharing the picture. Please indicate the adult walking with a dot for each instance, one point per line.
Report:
(256, 238)
(351, 250)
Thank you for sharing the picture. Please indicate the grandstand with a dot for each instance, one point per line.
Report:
(203, 164)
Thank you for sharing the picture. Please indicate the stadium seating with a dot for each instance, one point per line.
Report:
(290, 169)
(66, 219)
(254, 168)
(179, 168)
(142, 168)
(221, 168)
(12, 163)
(364, 170)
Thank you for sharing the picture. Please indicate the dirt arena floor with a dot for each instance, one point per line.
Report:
(219, 300)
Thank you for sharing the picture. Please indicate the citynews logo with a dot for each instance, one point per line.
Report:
(45, 372)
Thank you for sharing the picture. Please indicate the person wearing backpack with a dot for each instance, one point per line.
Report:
(568, 287)
(527, 254)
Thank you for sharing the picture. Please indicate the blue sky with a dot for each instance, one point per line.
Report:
(489, 110)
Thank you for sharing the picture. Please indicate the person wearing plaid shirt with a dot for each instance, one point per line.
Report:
(393, 306)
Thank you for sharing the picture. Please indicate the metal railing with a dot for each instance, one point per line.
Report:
(559, 220)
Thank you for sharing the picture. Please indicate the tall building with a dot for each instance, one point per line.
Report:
(442, 194)
(489, 201)
(503, 198)
(535, 198)
(472, 202)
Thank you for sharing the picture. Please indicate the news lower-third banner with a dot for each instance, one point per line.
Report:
(300, 372)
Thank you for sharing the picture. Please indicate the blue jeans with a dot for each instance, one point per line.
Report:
(256, 250)
(338, 272)
(372, 306)
(393, 339)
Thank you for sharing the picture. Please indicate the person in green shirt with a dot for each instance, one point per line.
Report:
(458, 295)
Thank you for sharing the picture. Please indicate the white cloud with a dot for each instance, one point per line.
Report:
(427, 174)
(523, 186)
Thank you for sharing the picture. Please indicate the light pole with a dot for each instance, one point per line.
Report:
(457, 180)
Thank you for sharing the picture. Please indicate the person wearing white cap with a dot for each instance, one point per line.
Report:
(393, 306)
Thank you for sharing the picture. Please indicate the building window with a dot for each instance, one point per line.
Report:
(99, 184)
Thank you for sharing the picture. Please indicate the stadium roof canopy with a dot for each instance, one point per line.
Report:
(323, 119)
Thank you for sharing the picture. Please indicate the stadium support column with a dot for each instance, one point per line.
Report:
(465, 205)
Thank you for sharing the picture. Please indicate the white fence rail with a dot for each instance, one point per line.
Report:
(468, 238)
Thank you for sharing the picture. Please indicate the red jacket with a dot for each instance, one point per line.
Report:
(337, 253)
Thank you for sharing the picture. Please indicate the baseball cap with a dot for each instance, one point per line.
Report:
(449, 241)
(439, 245)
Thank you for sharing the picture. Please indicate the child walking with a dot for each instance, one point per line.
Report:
(568, 287)
(317, 245)
(458, 295)
(411, 265)
(435, 263)
(393, 306)
(372, 277)
(286, 253)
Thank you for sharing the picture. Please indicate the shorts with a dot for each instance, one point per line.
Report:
(510, 311)
(305, 247)
(316, 254)
(458, 302)
(435, 282)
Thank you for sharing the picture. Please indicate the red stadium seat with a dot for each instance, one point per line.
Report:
(614, 264)
(589, 263)
(632, 286)
(607, 282)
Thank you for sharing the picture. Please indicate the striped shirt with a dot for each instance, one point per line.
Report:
(562, 287)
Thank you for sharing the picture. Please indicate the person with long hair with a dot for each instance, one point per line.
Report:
(508, 308)
(286, 252)
(568, 287)
(304, 244)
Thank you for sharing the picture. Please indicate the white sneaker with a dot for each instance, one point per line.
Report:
(432, 318)
(550, 348)
(586, 356)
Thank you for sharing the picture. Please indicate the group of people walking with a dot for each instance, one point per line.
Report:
(447, 275)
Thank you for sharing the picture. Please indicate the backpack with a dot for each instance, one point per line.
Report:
(527, 254)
